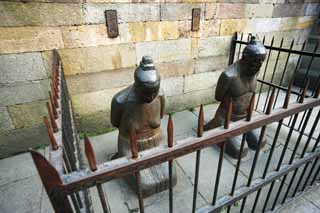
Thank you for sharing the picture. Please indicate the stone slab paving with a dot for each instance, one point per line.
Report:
(21, 189)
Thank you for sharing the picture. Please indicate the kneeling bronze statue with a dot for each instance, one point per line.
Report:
(238, 82)
(139, 108)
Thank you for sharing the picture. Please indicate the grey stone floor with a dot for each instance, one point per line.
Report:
(21, 189)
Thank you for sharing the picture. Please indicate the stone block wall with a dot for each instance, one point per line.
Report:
(97, 67)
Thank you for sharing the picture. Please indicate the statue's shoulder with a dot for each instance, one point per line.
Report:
(231, 72)
(122, 96)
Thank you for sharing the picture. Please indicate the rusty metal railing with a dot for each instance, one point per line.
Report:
(63, 186)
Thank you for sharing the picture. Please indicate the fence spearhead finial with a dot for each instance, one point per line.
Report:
(251, 106)
(170, 131)
(133, 143)
(304, 91)
(317, 91)
(90, 153)
(288, 94)
(229, 113)
(53, 141)
(200, 122)
(52, 119)
(270, 102)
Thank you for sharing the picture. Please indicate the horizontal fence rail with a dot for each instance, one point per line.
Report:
(124, 166)
(67, 183)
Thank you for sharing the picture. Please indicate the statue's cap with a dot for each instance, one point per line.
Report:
(146, 73)
(254, 48)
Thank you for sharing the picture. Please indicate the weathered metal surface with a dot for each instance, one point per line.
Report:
(148, 158)
(112, 23)
(256, 185)
(196, 15)
(51, 181)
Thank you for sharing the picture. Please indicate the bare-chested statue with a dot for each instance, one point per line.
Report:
(239, 82)
(140, 107)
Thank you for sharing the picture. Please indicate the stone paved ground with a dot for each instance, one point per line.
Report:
(21, 189)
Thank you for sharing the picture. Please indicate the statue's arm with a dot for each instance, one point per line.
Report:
(116, 111)
(222, 87)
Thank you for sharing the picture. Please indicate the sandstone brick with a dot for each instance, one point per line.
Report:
(94, 122)
(5, 120)
(28, 115)
(190, 100)
(258, 10)
(94, 13)
(96, 59)
(164, 51)
(230, 11)
(291, 23)
(259, 25)
(235, 11)
(39, 14)
(20, 140)
(175, 68)
(230, 26)
(85, 83)
(93, 102)
(209, 64)
(153, 31)
(90, 35)
(209, 28)
(23, 92)
(286, 10)
(28, 39)
(211, 10)
(21, 67)
(214, 46)
(172, 86)
(201, 81)
(182, 11)
(47, 58)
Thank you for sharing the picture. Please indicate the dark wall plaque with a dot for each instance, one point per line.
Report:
(112, 23)
(196, 13)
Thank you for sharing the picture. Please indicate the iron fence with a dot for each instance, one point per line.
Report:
(63, 187)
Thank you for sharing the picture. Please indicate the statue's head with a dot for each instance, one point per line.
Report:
(253, 57)
(146, 80)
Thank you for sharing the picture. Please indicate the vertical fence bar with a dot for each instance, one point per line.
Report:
(134, 153)
(170, 145)
(93, 167)
(295, 71)
(283, 72)
(264, 73)
(52, 183)
(256, 156)
(198, 156)
(273, 73)
(239, 52)
(304, 151)
(316, 95)
(236, 173)
(222, 149)
(294, 151)
(306, 77)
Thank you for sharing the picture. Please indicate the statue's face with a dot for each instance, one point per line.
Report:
(147, 95)
(253, 64)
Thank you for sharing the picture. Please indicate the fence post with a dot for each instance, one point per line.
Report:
(52, 183)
